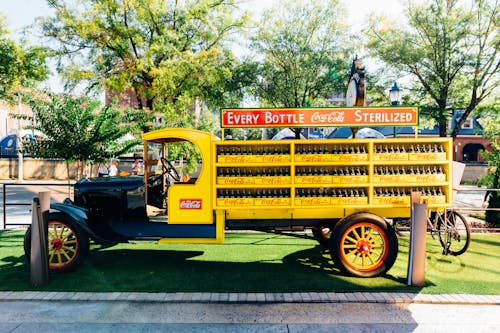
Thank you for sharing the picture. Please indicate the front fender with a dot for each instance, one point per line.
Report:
(79, 215)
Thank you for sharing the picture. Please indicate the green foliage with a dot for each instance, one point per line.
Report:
(451, 50)
(490, 120)
(303, 45)
(167, 53)
(80, 129)
(20, 65)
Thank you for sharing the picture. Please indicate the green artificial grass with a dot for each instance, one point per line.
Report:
(252, 262)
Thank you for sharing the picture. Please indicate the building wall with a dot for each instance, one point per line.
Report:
(462, 141)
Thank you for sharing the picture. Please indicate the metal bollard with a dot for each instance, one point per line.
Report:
(39, 265)
(418, 233)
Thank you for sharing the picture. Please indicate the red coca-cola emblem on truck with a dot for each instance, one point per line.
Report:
(190, 204)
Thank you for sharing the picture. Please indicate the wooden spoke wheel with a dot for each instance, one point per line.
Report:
(68, 244)
(364, 245)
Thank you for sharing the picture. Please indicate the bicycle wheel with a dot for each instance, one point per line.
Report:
(454, 233)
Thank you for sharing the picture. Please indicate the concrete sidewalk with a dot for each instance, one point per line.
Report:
(257, 298)
(42, 312)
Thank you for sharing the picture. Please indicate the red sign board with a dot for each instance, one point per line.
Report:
(320, 117)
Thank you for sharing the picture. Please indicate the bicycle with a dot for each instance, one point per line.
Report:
(452, 229)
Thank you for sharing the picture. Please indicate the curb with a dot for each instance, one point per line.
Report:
(256, 298)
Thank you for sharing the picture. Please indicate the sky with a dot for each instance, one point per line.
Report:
(20, 13)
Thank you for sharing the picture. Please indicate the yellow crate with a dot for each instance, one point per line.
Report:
(392, 200)
(313, 158)
(432, 178)
(313, 201)
(349, 157)
(313, 179)
(235, 180)
(272, 201)
(350, 179)
(427, 156)
(421, 179)
(390, 157)
(434, 199)
(390, 179)
(272, 180)
(253, 158)
(349, 201)
(233, 202)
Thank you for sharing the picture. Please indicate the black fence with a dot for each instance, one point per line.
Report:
(17, 200)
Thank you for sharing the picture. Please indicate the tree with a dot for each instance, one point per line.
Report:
(79, 129)
(20, 65)
(303, 46)
(167, 52)
(490, 119)
(451, 50)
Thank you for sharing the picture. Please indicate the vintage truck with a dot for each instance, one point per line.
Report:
(342, 189)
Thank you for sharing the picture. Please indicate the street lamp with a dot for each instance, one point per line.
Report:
(395, 94)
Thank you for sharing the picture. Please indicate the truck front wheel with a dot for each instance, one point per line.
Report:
(68, 243)
(364, 245)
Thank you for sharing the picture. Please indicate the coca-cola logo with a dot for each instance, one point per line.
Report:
(332, 117)
(190, 204)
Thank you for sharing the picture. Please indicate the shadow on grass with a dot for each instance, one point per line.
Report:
(186, 271)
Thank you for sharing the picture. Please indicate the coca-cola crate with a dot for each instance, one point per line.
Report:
(400, 201)
(427, 156)
(350, 179)
(234, 202)
(313, 179)
(349, 201)
(390, 157)
(434, 199)
(272, 180)
(312, 201)
(235, 180)
(313, 157)
(349, 157)
(272, 202)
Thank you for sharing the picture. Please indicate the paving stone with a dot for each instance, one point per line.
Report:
(297, 297)
(279, 297)
(214, 297)
(242, 297)
(360, 298)
(178, 296)
(5, 294)
(252, 297)
(305, 297)
(288, 297)
(261, 297)
(233, 297)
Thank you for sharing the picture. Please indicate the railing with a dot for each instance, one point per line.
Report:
(24, 199)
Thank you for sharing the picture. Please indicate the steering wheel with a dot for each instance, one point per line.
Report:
(169, 169)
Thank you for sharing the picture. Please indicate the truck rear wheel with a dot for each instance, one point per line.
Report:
(68, 243)
(364, 245)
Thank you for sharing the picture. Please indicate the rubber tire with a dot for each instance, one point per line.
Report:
(323, 234)
(386, 234)
(82, 242)
(464, 244)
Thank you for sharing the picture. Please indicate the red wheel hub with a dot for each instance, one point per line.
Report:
(56, 244)
(363, 246)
